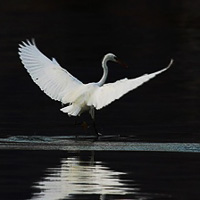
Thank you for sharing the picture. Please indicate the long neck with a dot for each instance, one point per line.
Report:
(105, 72)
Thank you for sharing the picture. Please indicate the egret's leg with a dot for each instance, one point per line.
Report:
(92, 113)
(95, 129)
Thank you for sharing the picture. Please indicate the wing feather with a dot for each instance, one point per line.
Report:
(110, 92)
(55, 81)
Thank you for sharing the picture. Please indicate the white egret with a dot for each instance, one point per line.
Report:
(60, 85)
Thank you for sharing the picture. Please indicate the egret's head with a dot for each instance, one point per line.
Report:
(114, 58)
(111, 57)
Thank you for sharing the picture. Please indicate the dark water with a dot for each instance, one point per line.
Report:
(53, 175)
(144, 34)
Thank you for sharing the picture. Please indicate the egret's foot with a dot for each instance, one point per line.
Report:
(98, 136)
(96, 132)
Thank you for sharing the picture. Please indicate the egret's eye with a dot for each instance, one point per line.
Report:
(115, 58)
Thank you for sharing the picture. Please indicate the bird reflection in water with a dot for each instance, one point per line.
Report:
(76, 177)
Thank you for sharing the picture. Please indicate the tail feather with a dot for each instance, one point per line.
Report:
(72, 110)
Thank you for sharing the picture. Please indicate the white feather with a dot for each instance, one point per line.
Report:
(108, 93)
(60, 85)
(55, 81)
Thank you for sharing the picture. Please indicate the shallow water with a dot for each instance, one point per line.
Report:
(91, 143)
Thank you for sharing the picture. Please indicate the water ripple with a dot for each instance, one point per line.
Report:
(90, 144)
(75, 177)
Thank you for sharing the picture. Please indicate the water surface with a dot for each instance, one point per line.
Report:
(53, 175)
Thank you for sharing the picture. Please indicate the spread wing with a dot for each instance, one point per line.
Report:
(55, 81)
(110, 92)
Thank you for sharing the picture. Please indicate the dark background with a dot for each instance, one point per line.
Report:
(145, 34)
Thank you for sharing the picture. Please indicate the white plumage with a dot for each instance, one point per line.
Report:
(60, 85)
